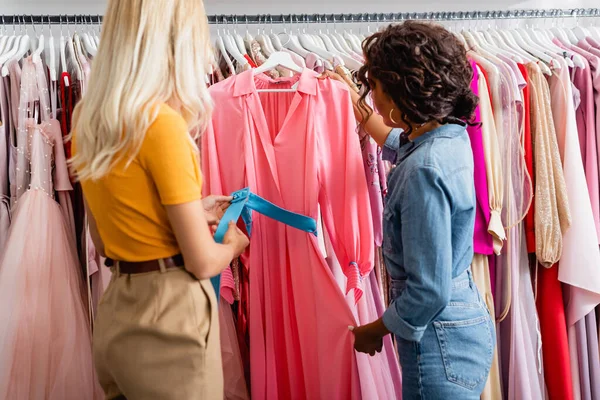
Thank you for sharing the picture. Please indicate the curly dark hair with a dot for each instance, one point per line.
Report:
(424, 69)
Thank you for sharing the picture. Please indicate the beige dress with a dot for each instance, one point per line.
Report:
(552, 216)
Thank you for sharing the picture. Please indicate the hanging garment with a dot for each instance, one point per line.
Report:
(481, 277)
(4, 164)
(371, 164)
(594, 60)
(45, 340)
(552, 217)
(492, 169)
(519, 339)
(380, 376)
(233, 368)
(583, 91)
(585, 115)
(580, 254)
(297, 149)
(528, 153)
(482, 241)
(17, 175)
(243, 203)
(557, 364)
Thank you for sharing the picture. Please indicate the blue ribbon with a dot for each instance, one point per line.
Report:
(242, 204)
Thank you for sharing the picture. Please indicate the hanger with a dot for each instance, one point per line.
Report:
(352, 39)
(18, 52)
(51, 55)
(233, 49)
(63, 53)
(221, 46)
(580, 33)
(339, 41)
(238, 39)
(503, 35)
(265, 42)
(97, 36)
(530, 38)
(87, 44)
(40, 47)
(572, 38)
(327, 54)
(278, 59)
(573, 59)
(494, 37)
(12, 46)
(90, 33)
(71, 55)
(267, 38)
(525, 45)
(3, 38)
(291, 42)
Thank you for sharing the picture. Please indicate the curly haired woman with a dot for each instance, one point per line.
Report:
(419, 78)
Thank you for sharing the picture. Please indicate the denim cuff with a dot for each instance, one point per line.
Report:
(399, 327)
(389, 151)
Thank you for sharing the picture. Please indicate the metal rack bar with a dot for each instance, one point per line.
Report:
(79, 19)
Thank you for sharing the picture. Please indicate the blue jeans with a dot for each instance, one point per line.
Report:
(454, 357)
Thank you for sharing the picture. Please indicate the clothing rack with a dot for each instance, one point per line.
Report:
(81, 19)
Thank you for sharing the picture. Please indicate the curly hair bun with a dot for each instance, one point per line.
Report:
(465, 106)
(424, 69)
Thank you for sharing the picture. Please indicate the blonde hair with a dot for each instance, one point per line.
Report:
(151, 52)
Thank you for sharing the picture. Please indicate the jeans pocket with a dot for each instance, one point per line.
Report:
(467, 350)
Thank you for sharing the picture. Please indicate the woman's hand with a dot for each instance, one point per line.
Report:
(235, 238)
(354, 96)
(332, 75)
(215, 207)
(369, 338)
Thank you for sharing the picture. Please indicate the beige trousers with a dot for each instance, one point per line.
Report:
(481, 277)
(156, 337)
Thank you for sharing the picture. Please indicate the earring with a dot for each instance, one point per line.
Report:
(391, 117)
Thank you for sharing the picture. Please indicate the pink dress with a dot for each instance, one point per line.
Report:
(298, 150)
(4, 157)
(45, 338)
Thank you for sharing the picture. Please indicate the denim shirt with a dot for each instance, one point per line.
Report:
(429, 220)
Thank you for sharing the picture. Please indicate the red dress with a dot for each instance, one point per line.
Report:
(528, 147)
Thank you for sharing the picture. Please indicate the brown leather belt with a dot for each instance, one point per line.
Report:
(146, 266)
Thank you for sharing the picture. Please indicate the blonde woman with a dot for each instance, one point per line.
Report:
(156, 333)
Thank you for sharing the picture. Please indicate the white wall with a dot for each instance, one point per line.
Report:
(297, 6)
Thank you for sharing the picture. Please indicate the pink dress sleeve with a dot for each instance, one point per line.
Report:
(212, 185)
(344, 196)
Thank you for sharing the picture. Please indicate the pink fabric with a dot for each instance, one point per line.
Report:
(518, 337)
(369, 152)
(45, 338)
(314, 62)
(233, 369)
(580, 256)
(299, 61)
(297, 150)
(586, 126)
(482, 241)
(380, 376)
(4, 163)
(592, 46)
